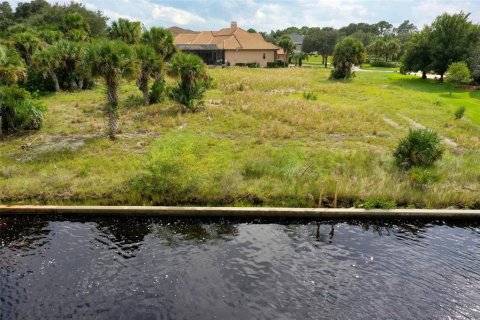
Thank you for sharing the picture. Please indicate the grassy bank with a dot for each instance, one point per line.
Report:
(258, 142)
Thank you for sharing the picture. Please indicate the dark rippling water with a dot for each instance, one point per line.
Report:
(53, 268)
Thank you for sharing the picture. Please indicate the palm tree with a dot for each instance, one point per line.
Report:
(112, 60)
(193, 79)
(46, 60)
(126, 30)
(26, 43)
(161, 40)
(12, 68)
(287, 45)
(392, 47)
(150, 67)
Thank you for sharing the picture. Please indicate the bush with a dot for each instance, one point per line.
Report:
(247, 64)
(158, 92)
(422, 177)
(420, 148)
(18, 111)
(277, 64)
(309, 96)
(459, 112)
(379, 203)
(340, 74)
(383, 64)
(458, 72)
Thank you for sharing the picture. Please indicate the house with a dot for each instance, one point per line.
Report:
(227, 46)
(298, 40)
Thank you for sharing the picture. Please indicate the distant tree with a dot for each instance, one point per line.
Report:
(377, 48)
(12, 68)
(193, 79)
(75, 27)
(251, 30)
(458, 72)
(287, 45)
(348, 52)
(128, 31)
(365, 37)
(392, 48)
(417, 56)
(6, 15)
(25, 10)
(150, 66)
(112, 60)
(451, 40)
(474, 63)
(406, 27)
(383, 28)
(161, 40)
(322, 41)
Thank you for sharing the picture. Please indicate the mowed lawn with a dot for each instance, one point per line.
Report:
(257, 141)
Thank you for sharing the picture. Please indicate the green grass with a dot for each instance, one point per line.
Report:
(258, 142)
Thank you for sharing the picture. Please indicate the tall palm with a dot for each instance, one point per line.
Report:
(12, 68)
(150, 67)
(46, 60)
(161, 40)
(287, 45)
(128, 31)
(112, 60)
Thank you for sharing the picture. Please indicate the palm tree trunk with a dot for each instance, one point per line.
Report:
(54, 77)
(112, 106)
(143, 86)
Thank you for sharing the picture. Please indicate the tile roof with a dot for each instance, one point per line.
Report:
(224, 39)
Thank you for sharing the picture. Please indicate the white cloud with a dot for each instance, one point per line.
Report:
(175, 15)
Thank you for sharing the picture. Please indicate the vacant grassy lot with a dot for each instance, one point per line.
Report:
(258, 141)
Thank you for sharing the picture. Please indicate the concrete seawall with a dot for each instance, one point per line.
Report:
(244, 212)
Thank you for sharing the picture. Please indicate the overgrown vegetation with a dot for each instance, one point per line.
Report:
(420, 148)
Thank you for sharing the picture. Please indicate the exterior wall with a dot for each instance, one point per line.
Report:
(233, 56)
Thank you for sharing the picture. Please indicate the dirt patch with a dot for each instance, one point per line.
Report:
(468, 87)
(282, 91)
(391, 122)
(417, 125)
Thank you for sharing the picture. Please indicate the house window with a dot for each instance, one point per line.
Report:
(264, 56)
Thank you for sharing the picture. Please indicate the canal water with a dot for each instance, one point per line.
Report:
(142, 268)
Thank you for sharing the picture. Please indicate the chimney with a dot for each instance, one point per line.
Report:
(233, 24)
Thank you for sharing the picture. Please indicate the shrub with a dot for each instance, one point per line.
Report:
(379, 203)
(309, 96)
(458, 72)
(277, 64)
(340, 74)
(193, 80)
(18, 111)
(158, 92)
(247, 64)
(383, 64)
(421, 147)
(422, 177)
(459, 112)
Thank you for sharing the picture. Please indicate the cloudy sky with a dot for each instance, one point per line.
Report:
(265, 15)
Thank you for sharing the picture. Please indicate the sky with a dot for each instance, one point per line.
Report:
(266, 15)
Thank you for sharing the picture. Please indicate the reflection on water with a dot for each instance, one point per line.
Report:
(105, 268)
